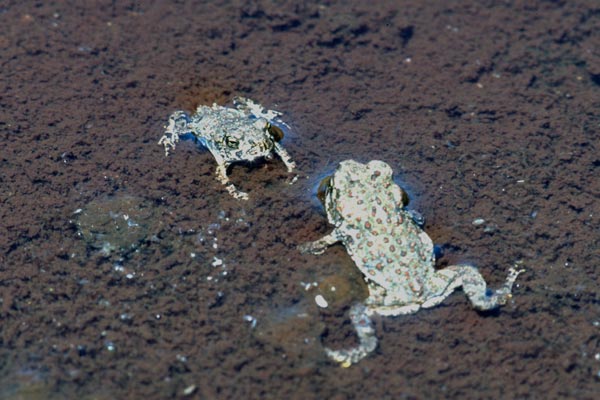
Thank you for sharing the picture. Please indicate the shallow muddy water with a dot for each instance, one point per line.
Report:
(128, 274)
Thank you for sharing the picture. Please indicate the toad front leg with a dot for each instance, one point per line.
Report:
(285, 157)
(178, 125)
(319, 246)
(222, 177)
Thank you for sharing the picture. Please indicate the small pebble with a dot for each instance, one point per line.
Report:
(189, 390)
(478, 221)
(321, 302)
(251, 319)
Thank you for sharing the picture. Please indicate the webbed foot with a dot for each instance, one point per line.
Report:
(251, 107)
(319, 246)
(314, 248)
(177, 125)
(505, 292)
(222, 177)
(366, 335)
(238, 194)
(476, 289)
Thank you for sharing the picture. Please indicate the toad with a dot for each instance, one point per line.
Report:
(367, 210)
(243, 133)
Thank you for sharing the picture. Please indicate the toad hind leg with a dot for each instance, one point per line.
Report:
(365, 331)
(473, 285)
(444, 283)
(377, 299)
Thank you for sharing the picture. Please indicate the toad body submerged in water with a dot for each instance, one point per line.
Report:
(243, 133)
(367, 211)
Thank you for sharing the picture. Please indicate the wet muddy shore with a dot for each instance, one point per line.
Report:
(128, 274)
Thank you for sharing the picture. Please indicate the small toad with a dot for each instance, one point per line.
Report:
(243, 133)
(367, 210)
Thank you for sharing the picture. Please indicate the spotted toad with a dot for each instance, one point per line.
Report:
(243, 133)
(396, 256)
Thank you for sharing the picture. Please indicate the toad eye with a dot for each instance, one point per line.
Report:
(275, 132)
(232, 142)
(324, 187)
